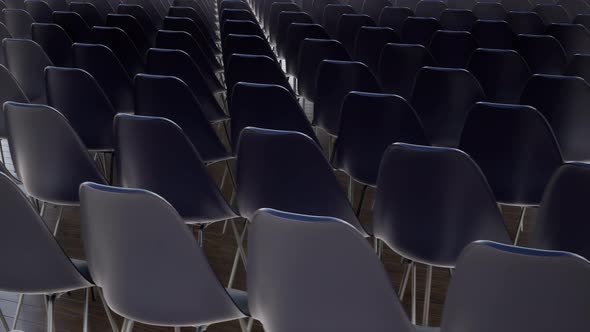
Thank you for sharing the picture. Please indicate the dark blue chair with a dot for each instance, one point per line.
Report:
(75, 26)
(552, 14)
(457, 19)
(525, 23)
(278, 33)
(517, 5)
(132, 28)
(235, 27)
(39, 11)
(419, 30)
(369, 43)
(373, 8)
(430, 8)
(452, 49)
(246, 44)
(54, 41)
(544, 54)
(88, 12)
(348, 28)
(575, 8)
(18, 22)
(493, 34)
(394, 17)
(491, 11)
(188, 25)
(579, 66)
(296, 34)
(272, 20)
(119, 42)
(331, 17)
(574, 38)
(582, 19)
(254, 69)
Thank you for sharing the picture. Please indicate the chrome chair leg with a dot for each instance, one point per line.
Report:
(406, 276)
(107, 310)
(59, 215)
(520, 225)
(414, 294)
(18, 309)
(50, 309)
(86, 304)
(426, 309)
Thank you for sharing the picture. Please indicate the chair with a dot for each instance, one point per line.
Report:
(57, 4)
(452, 49)
(542, 53)
(231, 27)
(394, 17)
(431, 203)
(442, 98)
(266, 13)
(26, 60)
(298, 164)
(88, 12)
(582, 19)
(278, 32)
(236, 14)
(103, 7)
(334, 80)
(575, 7)
(502, 73)
(318, 7)
(79, 98)
(246, 44)
(44, 267)
(18, 22)
(54, 41)
(369, 43)
(579, 66)
(419, 30)
(370, 122)
(169, 97)
(493, 34)
(491, 11)
(203, 14)
(574, 38)
(127, 210)
(233, 4)
(505, 295)
(254, 69)
(315, 295)
(141, 16)
(188, 25)
(399, 65)
(373, 8)
(107, 70)
(296, 34)
(525, 23)
(10, 91)
(39, 11)
(517, 5)
(179, 64)
(457, 19)
(75, 26)
(182, 40)
(119, 42)
(311, 53)
(348, 28)
(563, 101)
(331, 16)
(461, 4)
(552, 14)
(430, 8)
(49, 157)
(150, 9)
(132, 28)
(272, 20)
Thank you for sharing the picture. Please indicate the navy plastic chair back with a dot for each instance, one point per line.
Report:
(374, 8)
(552, 14)
(278, 32)
(419, 30)
(370, 122)
(515, 148)
(75, 26)
(315, 292)
(88, 12)
(245, 44)
(493, 34)
(461, 4)
(432, 202)
(296, 34)
(308, 183)
(49, 157)
(151, 11)
(57, 4)
(188, 25)
(331, 15)
(452, 48)
(236, 14)
(241, 28)
(132, 28)
(18, 22)
(457, 19)
(399, 65)
(575, 7)
(369, 43)
(272, 20)
(579, 66)
(502, 73)
(582, 19)
(318, 7)
(525, 23)
(517, 5)
(103, 7)
(394, 17)
(254, 69)
(119, 42)
(574, 38)
(141, 16)
(430, 8)
(543, 53)
(334, 80)
(492, 11)
(348, 28)
(55, 42)
(410, 4)
(11, 91)
(39, 11)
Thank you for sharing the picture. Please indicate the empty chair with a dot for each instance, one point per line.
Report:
(18, 22)
(128, 210)
(314, 295)
(179, 64)
(265, 106)
(419, 30)
(296, 34)
(266, 9)
(233, 4)
(525, 23)
(394, 17)
(370, 122)
(119, 42)
(88, 12)
(493, 34)
(103, 65)
(502, 73)
(311, 53)
(398, 66)
(430, 8)
(10, 91)
(26, 60)
(442, 98)
(297, 163)
(188, 25)
(334, 80)
(552, 14)
(573, 37)
(79, 98)
(563, 100)
(246, 44)
(103, 7)
(504, 293)
(275, 10)
(171, 98)
(39, 11)
(149, 8)
(55, 42)
(203, 23)
(373, 8)
(278, 32)
(141, 16)
(182, 40)
(369, 43)
(50, 158)
(489, 11)
(236, 14)
(515, 148)
(331, 17)
(575, 7)
(241, 28)
(461, 4)
(452, 48)
(75, 26)
(318, 7)
(348, 28)
(582, 19)
(558, 225)
(579, 66)
(457, 19)
(254, 69)
(517, 5)
(132, 28)
(431, 203)
(201, 14)
(543, 53)
(410, 4)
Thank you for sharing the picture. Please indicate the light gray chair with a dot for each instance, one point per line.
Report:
(317, 274)
(499, 287)
(168, 284)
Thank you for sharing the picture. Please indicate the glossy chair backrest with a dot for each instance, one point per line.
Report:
(141, 16)
(331, 17)
(394, 17)
(254, 69)
(75, 26)
(11, 91)
(490, 11)
(493, 34)
(457, 19)
(39, 11)
(525, 23)
(552, 14)
(88, 12)
(18, 22)
(517, 5)
(55, 42)
(575, 7)
(369, 42)
(373, 8)
(430, 8)
(544, 54)
(186, 24)
(245, 44)
(349, 26)
(132, 28)
(419, 30)
(278, 32)
(296, 34)
(574, 38)
(452, 49)
(119, 42)
(579, 66)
